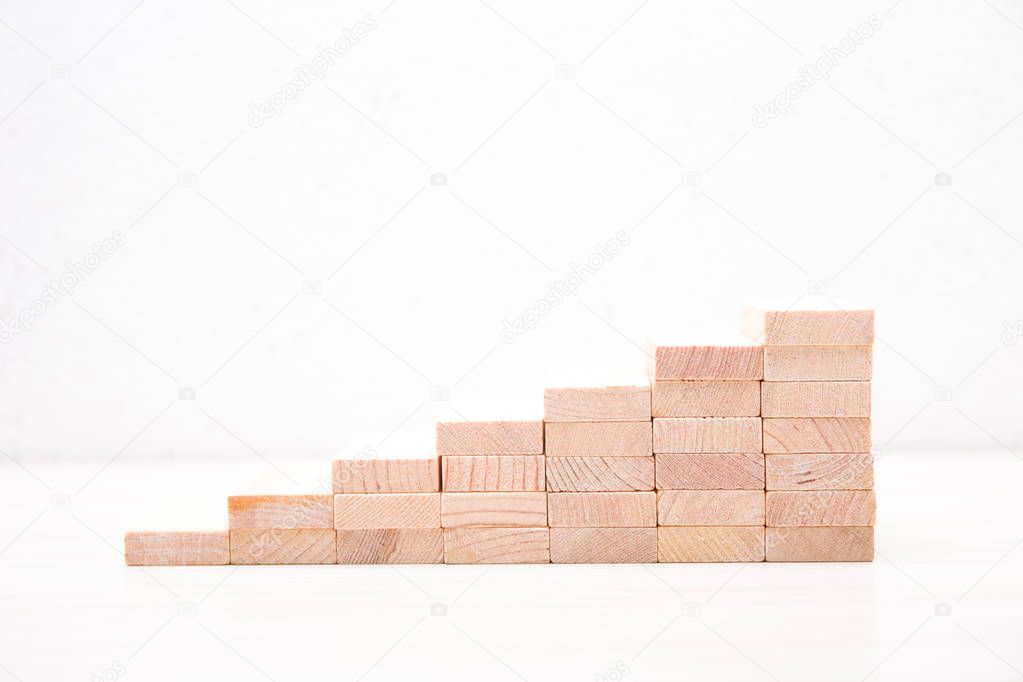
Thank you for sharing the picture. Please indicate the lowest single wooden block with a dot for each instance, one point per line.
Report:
(283, 546)
(818, 363)
(820, 472)
(598, 439)
(706, 361)
(496, 545)
(482, 473)
(177, 548)
(519, 510)
(820, 508)
(816, 399)
(391, 546)
(709, 471)
(608, 403)
(816, 435)
(603, 545)
(602, 510)
(280, 511)
(808, 327)
(688, 544)
(707, 434)
(594, 474)
(840, 543)
(490, 438)
(705, 399)
(387, 510)
(710, 507)
(365, 475)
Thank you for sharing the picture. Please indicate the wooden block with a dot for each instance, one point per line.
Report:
(808, 327)
(496, 546)
(387, 510)
(816, 399)
(820, 472)
(176, 548)
(609, 403)
(687, 544)
(598, 439)
(818, 363)
(481, 473)
(603, 545)
(517, 510)
(408, 475)
(705, 399)
(490, 438)
(821, 508)
(391, 546)
(710, 507)
(707, 434)
(602, 510)
(811, 435)
(283, 546)
(848, 543)
(594, 474)
(709, 471)
(280, 511)
(740, 361)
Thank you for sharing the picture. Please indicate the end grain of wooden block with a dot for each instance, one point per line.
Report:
(595, 474)
(820, 472)
(710, 507)
(280, 511)
(490, 438)
(848, 543)
(708, 471)
(707, 434)
(602, 510)
(177, 548)
(705, 399)
(391, 546)
(515, 510)
(283, 546)
(816, 399)
(821, 508)
(496, 546)
(603, 545)
(358, 475)
(598, 439)
(492, 473)
(688, 544)
(610, 403)
(387, 510)
(818, 363)
(809, 327)
(810, 435)
(707, 362)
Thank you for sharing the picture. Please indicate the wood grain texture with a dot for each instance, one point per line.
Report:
(848, 543)
(496, 546)
(816, 399)
(707, 434)
(391, 546)
(808, 327)
(387, 510)
(820, 472)
(821, 508)
(602, 510)
(363, 475)
(595, 474)
(177, 548)
(710, 471)
(818, 363)
(687, 544)
(736, 362)
(283, 546)
(603, 545)
(705, 399)
(518, 510)
(490, 438)
(280, 511)
(710, 508)
(608, 403)
(809, 435)
(482, 473)
(598, 439)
